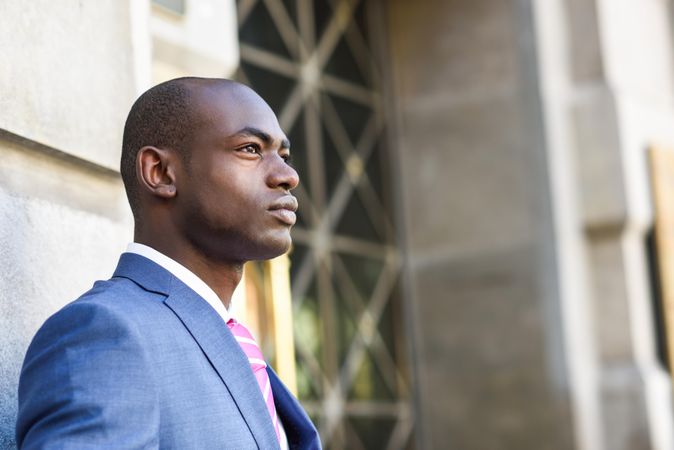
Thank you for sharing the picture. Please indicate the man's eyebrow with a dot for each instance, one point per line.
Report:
(263, 136)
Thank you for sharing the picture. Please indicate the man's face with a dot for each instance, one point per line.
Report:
(233, 198)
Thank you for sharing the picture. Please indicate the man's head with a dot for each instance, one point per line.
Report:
(204, 162)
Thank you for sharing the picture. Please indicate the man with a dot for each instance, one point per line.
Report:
(151, 357)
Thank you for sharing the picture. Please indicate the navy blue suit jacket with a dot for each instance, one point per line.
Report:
(141, 361)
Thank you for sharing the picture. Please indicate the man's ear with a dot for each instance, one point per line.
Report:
(155, 169)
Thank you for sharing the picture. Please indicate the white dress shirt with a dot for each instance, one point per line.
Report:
(197, 285)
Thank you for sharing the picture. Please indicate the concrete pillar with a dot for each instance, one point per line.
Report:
(479, 226)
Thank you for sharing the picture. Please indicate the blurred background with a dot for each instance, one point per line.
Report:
(484, 256)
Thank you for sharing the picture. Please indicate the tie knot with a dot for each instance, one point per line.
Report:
(248, 344)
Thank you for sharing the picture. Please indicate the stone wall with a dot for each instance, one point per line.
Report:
(66, 84)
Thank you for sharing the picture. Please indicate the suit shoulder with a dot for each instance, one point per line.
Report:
(120, 297)
(111, 304)
(119, 293)
(87, 353)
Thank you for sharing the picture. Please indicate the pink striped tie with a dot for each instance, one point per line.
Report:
(254, 354)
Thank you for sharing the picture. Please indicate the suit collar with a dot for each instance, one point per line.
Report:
(184, 274)
(147, 274)
(213, 337)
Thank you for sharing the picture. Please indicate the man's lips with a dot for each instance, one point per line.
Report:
(284, 209)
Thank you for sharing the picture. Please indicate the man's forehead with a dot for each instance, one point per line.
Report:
(235, 107)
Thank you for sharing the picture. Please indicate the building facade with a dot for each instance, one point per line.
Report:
(475, 264)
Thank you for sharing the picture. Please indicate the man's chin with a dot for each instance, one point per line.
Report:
(273, 248)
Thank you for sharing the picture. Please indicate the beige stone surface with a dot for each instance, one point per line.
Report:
(473, 153)
(611, 302)
(600, 167)
(617, 117)
(485, 352)
(473, 47)
(66, 77)
(626, 427)
(462, 125)
(587, 64)
(637, 48)
(479, 227)
(203, 42)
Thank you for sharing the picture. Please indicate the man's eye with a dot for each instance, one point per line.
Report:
(251, 149)
(288, 159)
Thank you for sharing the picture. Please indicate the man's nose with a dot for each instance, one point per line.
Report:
(283, 175)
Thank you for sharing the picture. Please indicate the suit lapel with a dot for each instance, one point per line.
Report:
(227, 358)
(300, 430)
(213, 337)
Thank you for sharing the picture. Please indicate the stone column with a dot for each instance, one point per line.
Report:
(620, 101)
(481, 249)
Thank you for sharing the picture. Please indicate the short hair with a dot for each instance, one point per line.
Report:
(163, 117)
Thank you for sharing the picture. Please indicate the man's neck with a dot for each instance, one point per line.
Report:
(222, 277)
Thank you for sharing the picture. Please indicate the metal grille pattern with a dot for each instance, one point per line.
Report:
(315, 62)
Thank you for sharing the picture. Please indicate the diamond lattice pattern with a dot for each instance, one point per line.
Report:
(316, 63)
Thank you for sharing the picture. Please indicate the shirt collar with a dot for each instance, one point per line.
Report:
(183, 274)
